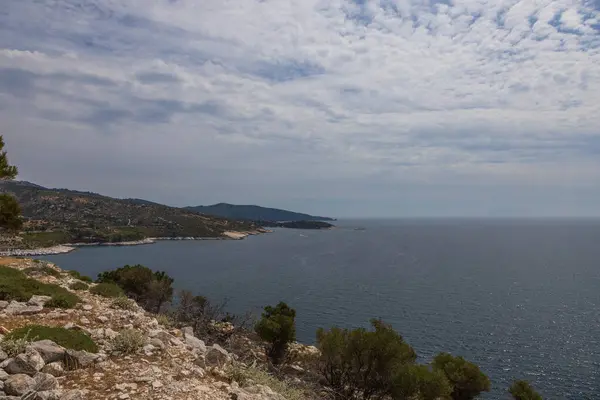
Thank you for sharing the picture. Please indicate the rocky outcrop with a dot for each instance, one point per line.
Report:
(171, 364)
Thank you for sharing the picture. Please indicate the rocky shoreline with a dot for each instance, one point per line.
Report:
(69, 247)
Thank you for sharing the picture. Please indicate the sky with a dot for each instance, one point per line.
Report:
(347, 108)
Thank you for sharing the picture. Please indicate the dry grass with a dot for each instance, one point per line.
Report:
(248, 376)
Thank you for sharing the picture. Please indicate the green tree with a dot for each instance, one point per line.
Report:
(277, 327)
(10, 212)
(150, 289)
(466, 378)
(362, 363)
(522, 390)
(7, 171)
(420, 382)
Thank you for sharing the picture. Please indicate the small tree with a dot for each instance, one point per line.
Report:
(522, 390)
(277, 327)
(10, 212)
(150, 289)
(361, 363)
(419, 382)
(466, 378)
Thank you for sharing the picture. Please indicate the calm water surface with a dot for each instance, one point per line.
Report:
(519, 298)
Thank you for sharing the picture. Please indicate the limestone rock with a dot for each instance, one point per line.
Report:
(44, 382)
(195, 344)
(3, 375)
(83, 358)
(28, 363)
(3, 304)
(216, 356)
(18, 384)
(39, 300)
(188, 331)
(18, 308)
(45, 395)
(73, 395)
(3, 355)
(49, 350)
(55, 369)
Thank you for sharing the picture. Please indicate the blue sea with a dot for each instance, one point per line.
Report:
(521, 298)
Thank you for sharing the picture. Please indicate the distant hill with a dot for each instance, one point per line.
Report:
(55, 216)
(255, 213)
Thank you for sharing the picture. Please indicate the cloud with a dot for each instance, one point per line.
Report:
(308, 94)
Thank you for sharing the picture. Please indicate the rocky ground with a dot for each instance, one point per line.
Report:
(171, 364)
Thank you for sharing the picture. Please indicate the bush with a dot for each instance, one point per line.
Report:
(68, 338)
(522, 390)
(128, 341)
(277, 327)
(15, 285)
(149, 289)
(466, 378)
(15, 346)
(10, 212)
(77, 275)
(124, 303)
(107, 290)
(79, 286)
(363, 363)
(248, 375)
(419, 382)
(63, 300)
(42, 270)
(164, 320)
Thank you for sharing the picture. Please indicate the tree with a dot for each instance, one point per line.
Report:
(10, 212)
(466, 378)
(419, 382)
(362, 363)
(7, 171)
(522, 390)
(150, 289)
(277, 327)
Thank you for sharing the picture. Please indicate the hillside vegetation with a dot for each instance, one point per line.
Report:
(255, 213)
(55, 216)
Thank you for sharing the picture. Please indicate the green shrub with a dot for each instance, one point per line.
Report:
(42, 270)
(15, 346)
(79, 286)
(149, 289)
(63, 300)
(522, 390)
(15, 285)
(363, 363)
(123, 303)
(277, 327)
(249, 375)
(419, 382)
(107, 290)
(466, 378)
(164, 320)
(68, 338)
(77, 275)
(128, 341)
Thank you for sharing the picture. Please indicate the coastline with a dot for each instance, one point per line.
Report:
(70, 247)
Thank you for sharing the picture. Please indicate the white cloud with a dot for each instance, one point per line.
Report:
(312, 90)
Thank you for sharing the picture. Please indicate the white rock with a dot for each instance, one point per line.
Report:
(49, 350)
(38, 300)
(45, 382)
(28, 363)
(55, 369)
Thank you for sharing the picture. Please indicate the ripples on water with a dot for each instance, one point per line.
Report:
(521, 299)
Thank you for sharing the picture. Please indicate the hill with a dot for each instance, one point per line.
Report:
(255, 213)
(55, 216)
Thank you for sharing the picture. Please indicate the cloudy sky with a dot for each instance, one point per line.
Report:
(340, 107)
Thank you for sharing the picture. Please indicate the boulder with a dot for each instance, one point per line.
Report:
(18, 384)
(188, 331)
(45, 395)
(49, 350)
(28, 363)
(18, 308)
(55, 369)
(44, 382)
(216, 356)
(3, 375)
(195, 344)
(38, 300)
(3, 355)
(82, 358)
(3, 304)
